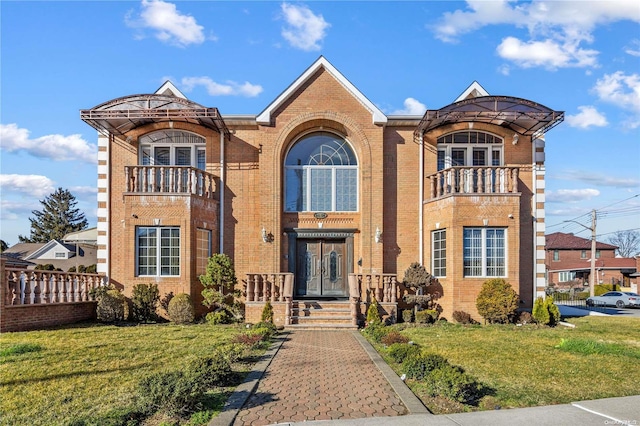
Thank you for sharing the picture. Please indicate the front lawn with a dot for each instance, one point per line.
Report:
(87, 374)
(532, 365)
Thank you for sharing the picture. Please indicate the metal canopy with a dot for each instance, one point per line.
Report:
(122, 115)
(522, 116)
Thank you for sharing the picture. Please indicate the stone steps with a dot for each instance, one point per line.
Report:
(321, 314)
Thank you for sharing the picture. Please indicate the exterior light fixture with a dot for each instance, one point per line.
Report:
(378, 236)
(265, 236)
(515, 139)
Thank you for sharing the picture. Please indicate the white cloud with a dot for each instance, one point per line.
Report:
(229, 88)
(32, 185)
(13, 210)
(633, 48)
(556, 30)
(168, 24)
(83, 190)
(587, 117)
(599, 179)
(54, 147)
(571, 195)
(305, 29)
(623, 91)
(411, 107)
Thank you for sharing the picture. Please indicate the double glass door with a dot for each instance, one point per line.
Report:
(321, 268)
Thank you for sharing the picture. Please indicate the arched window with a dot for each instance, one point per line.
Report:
(172, 148)
(469, 148)
(321, 174)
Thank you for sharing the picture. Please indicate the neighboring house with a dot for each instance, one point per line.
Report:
(323, 196)
(62, 254)
(568, 260)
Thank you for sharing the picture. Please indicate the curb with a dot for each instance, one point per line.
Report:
(240, 395)
(408, 398)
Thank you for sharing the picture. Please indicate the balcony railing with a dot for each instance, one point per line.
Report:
(169, 180)
(473, 180)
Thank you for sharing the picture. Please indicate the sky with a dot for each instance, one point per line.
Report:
(580, 57)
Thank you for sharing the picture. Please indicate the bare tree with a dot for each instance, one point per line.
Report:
(628, 242)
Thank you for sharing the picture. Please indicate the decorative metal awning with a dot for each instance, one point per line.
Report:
(524, 117)
(122, 115)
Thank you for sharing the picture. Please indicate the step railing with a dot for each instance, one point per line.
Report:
(169, 180)
(274, 287)
(384, 287)
(473, 180)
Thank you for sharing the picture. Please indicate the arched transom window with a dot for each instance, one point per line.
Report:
(321, 174)
(469, 148)
(172, 148)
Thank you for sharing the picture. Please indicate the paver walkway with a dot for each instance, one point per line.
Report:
(320, 375)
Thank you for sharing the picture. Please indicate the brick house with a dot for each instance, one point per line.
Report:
(321, 199)
(568, 260)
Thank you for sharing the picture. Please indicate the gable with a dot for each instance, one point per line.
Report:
(377, 116)
(52, 250)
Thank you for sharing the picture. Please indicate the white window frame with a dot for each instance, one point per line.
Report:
(158, 251)
(439, 254)
(445, 149)
(566, 276)
(483, 252)
(147, 149)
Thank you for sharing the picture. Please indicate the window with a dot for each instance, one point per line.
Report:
(158, 251)
(439, 253)
(583, 254)
(469, 148)
(203, 250)
(172, 148)
(556, 255)
(321, 174)
(484, 252)
(597, 254)
(564, 277)
(61, 255)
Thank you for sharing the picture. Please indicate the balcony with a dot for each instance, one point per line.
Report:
(473, 180)
(169, 180)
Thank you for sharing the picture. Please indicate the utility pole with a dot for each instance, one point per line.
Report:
(592, 273)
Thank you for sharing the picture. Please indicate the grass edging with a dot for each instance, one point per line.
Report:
(236, 401)
(408, 398)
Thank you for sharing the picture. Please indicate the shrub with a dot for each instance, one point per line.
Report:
(545, 311)
(219, 281)
(407, 315)
(144, 300)
(497, 302)
(400, 351)
(418, 365)
(249, 339)
(111, 305)
(164, 302)
(462, 317)
(417, 277)
(376, 331)
(91, 269)
(525, 318)
(181, 309)
(219, 317)
(179, 392)
(266, 328)
(426, 316)
(267, 313)
(452, 382)
(393, 336)
(373, 314)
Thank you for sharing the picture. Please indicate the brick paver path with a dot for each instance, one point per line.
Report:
(320, 375)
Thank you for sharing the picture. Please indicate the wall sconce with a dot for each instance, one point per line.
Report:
(378, 236)
(265, 236)
(515, 139)
(485, 222)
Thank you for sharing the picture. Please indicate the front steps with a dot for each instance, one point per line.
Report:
(321, 314)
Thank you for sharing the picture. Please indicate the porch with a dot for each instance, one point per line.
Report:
(169, 180)
(473, 180)
(297, 312)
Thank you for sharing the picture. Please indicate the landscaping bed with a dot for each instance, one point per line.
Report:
(523, 365)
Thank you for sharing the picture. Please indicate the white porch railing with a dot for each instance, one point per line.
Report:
(169, 180)
(473, 180)
(28, 287)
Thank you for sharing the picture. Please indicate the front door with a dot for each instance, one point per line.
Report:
(321, 268)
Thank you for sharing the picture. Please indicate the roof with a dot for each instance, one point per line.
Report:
(22, 250)
(85, 236)
(523, 116)
(617, 263)
(474, 90)
(14, 262)
(377, 115)
(28, 252)
(562, 241)
(121, 115)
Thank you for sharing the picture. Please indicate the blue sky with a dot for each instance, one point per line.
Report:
(576, 56)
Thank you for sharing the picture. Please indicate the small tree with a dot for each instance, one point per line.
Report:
(144, 301)
(3, 246)
(219, 282)
(497, 301)
(267, 313)
(418, 279)
(546, 312)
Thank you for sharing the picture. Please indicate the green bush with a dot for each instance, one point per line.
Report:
(418, 365)
(497, 301)
(180, 391)
(219, 317)
(545, 311)
(426, 316)
(181, 309)
(111, 306)
(462, 317)
(393, 336)
(267, 328)
(373, 314)
(398, 352)
(376, 331)
(452, 382)
(407, 315)
(144, 301)
(164, 302)
(267, 313)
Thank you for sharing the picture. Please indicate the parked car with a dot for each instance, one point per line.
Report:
(619, 299)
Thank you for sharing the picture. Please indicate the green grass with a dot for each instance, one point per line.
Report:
(533, 365)
(82, 373)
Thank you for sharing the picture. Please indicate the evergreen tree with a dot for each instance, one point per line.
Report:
(3, 246)
(58, 217)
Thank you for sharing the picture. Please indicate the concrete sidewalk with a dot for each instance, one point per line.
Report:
(610, 411)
